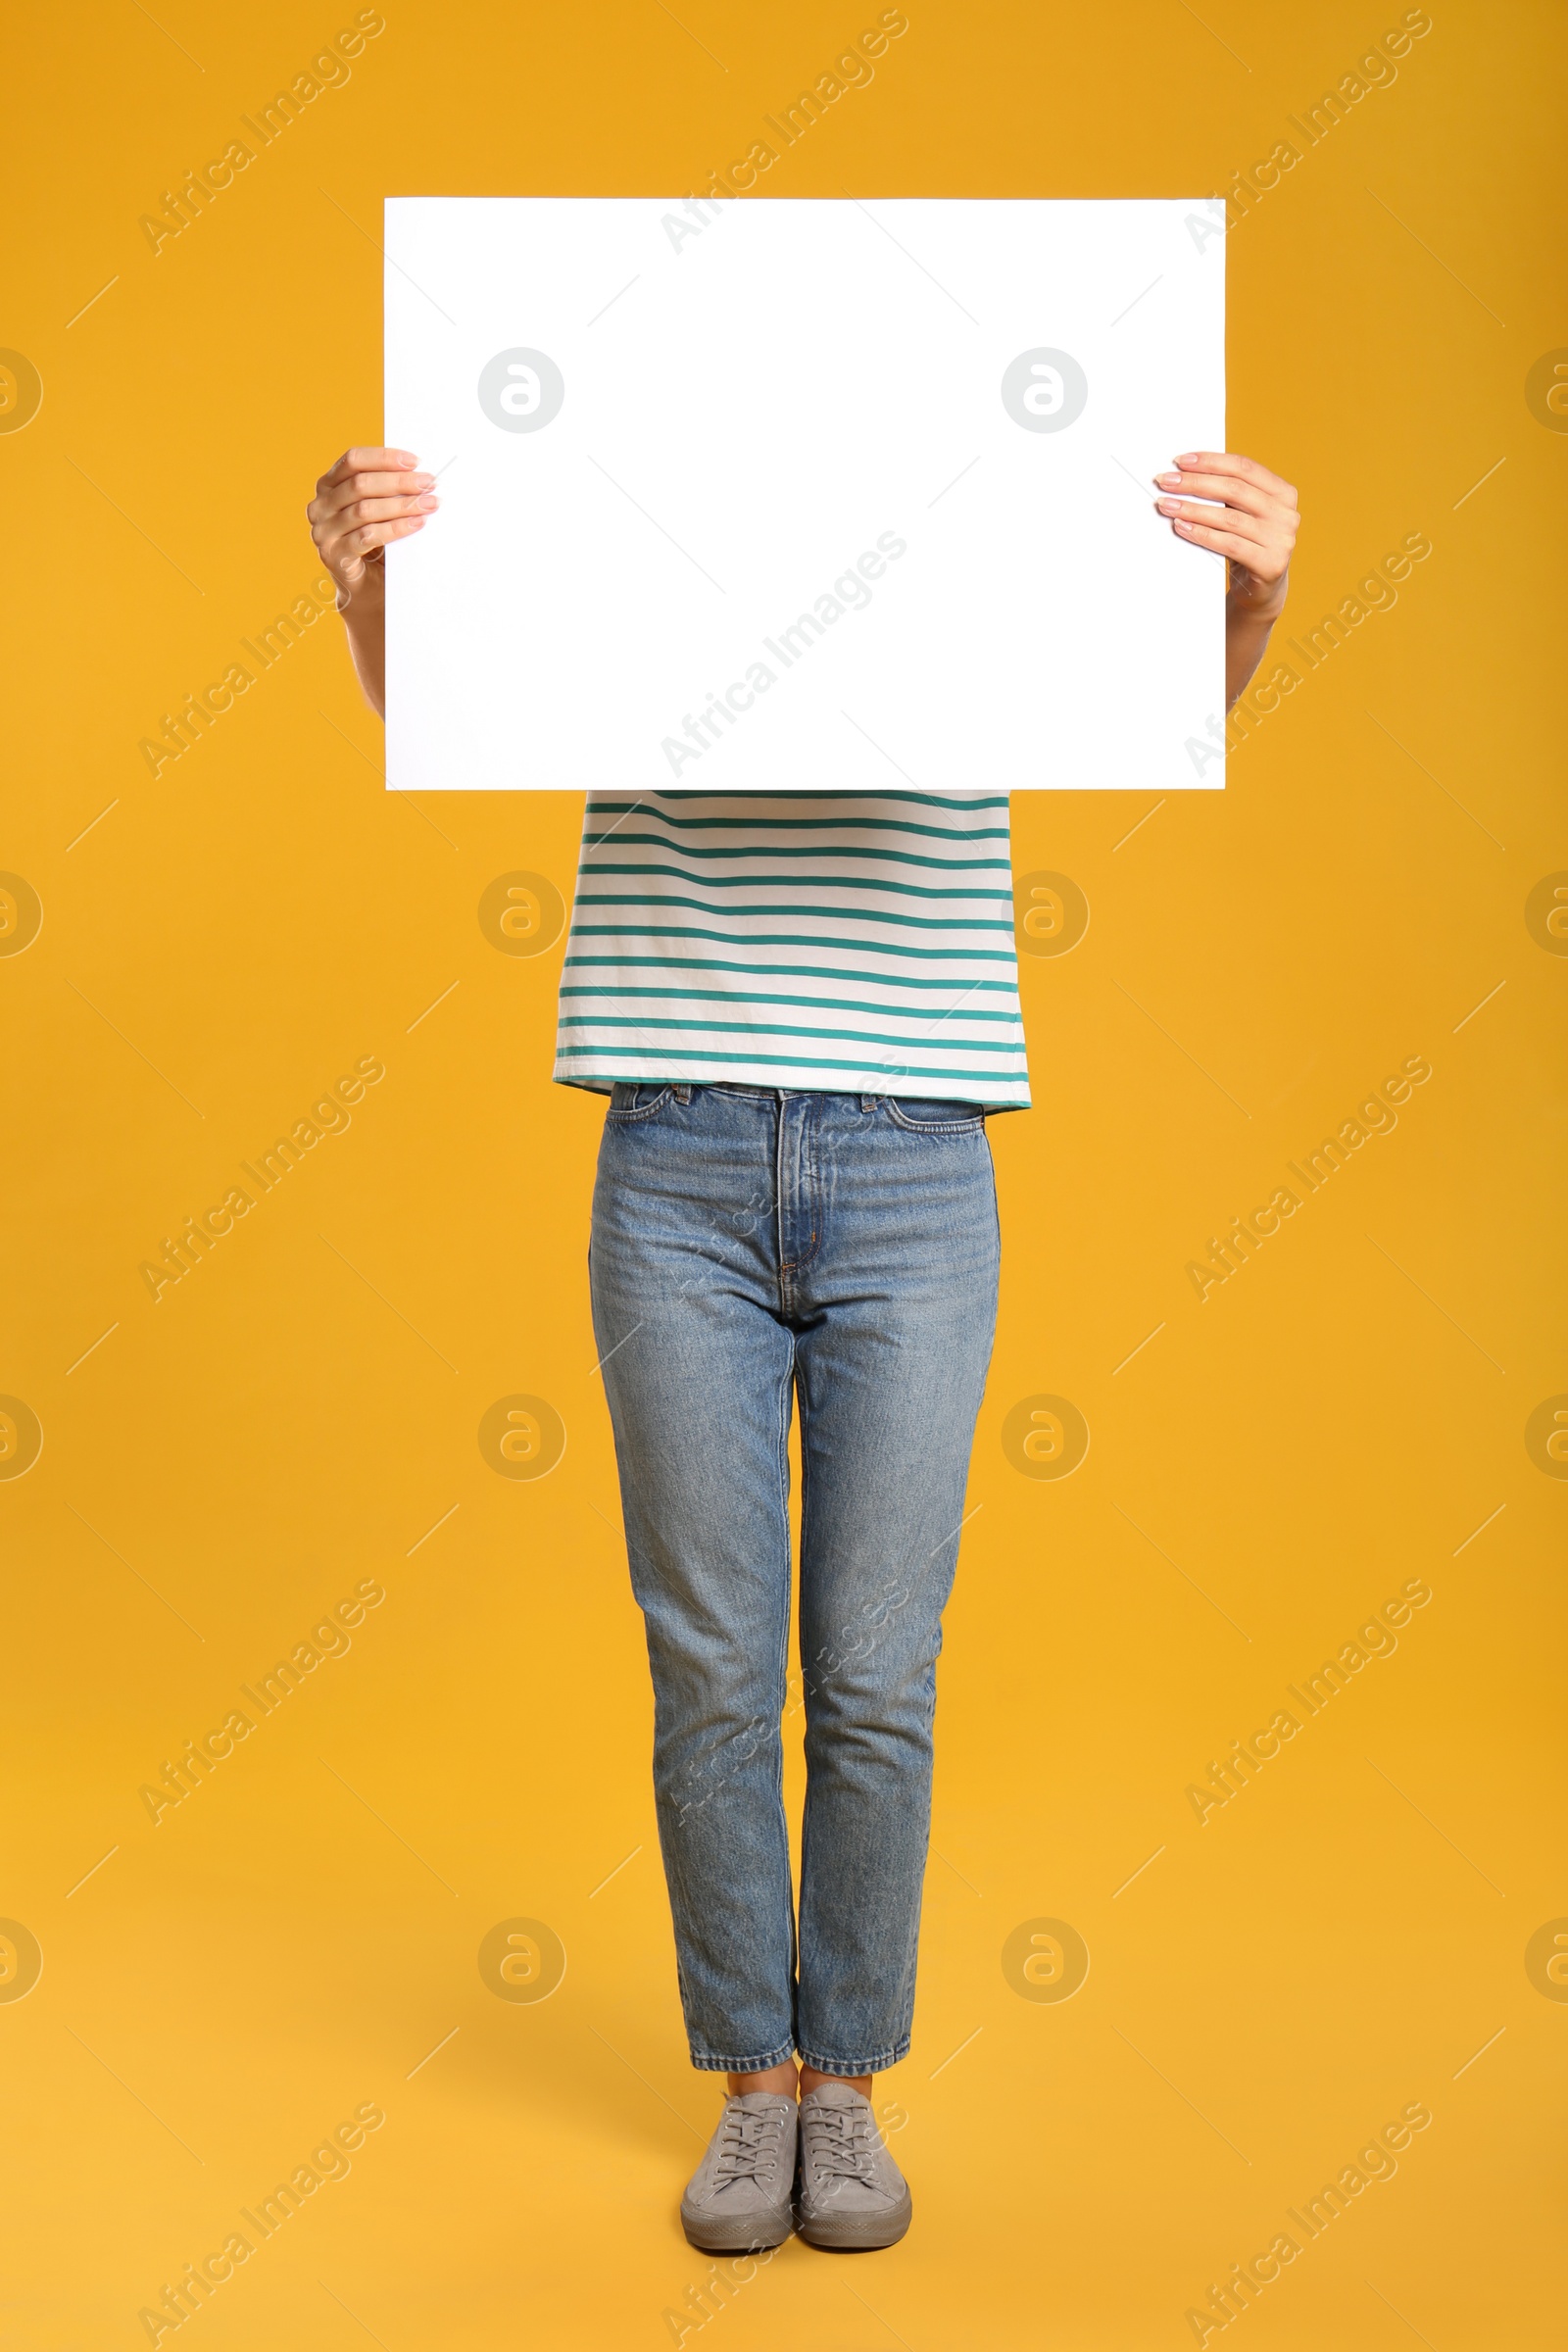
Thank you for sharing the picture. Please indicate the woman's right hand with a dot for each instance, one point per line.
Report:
(362, 504)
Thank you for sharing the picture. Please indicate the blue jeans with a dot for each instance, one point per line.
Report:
(750, 1247)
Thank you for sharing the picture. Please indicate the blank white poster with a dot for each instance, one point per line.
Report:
(783, 495)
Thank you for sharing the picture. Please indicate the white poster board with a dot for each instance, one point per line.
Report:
(776, 495)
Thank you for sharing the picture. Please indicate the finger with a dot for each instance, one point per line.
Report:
(369, 460)
(331, 497)
(346, 557)
(1246, 470)
(379, 510)
(1222, 486)
(1230, 543)
(380, 534)
(1225, 518)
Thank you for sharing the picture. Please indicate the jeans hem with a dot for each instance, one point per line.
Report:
(705, 2063)
(877, 2064)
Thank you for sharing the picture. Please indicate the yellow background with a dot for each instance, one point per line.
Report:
(290, 1943)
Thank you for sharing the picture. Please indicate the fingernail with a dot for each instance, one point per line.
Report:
(1166, 506)
(1167, 477)
(422, 481)
(1181, 527)
(1188, 458)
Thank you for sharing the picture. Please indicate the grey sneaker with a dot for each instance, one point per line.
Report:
(739, 2198)
(851, 2192)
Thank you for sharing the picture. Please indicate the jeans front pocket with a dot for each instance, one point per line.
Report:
(923, 1115)
(628, 1103)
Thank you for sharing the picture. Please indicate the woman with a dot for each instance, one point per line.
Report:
(802, 1007)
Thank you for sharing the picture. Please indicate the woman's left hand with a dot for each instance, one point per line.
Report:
(1251, 519)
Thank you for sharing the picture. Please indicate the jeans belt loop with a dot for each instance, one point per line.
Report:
(684, 1093)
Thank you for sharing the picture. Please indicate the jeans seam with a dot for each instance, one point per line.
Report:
(935, 1126)
(877, 2063)
(810, 1197)
(710, 2062)
(781, 1687)
(648, 1111)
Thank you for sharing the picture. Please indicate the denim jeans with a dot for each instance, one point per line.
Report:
(750, 1247)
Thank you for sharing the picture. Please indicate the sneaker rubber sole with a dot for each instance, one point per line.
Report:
(859, 2232)
(739, 2234)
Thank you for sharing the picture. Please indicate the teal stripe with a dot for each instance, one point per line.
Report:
(827, 915)
(845, 1036)
(786, 972)
(756, 996)
(776, 849)
(783, 939)
(854, 882)
(791, 1062)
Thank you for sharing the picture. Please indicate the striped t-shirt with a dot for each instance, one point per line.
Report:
(855, 944)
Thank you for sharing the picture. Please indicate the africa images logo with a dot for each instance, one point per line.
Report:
(522, 390)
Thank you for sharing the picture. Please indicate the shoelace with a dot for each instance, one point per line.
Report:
(840, 2140)
(751, 2143)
